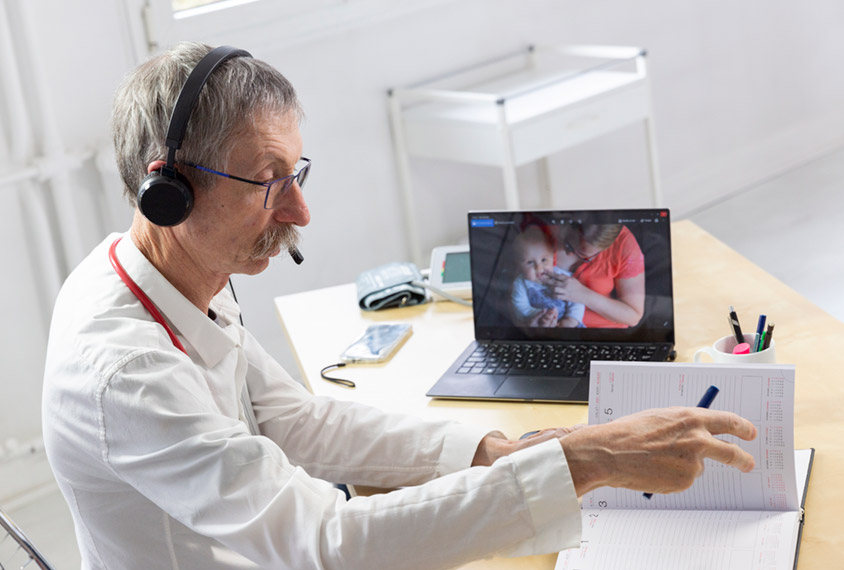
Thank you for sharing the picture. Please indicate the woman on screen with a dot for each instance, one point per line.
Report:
(608, 276)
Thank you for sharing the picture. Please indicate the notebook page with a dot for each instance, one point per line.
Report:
(704, 540)
(761, 393)
(802, 458)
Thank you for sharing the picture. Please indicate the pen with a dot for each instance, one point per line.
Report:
(768, 334)
(735, 324)
(708, 397)
(705, 402)
(760, 328)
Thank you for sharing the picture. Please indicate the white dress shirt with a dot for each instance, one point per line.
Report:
(153, 454)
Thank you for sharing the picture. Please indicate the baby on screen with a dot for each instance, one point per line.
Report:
(536, 256)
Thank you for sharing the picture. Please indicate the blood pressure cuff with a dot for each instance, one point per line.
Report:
(390, 285)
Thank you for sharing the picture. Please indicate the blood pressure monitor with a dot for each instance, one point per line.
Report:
(451, 271)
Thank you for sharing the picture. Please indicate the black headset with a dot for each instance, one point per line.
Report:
(165, 197)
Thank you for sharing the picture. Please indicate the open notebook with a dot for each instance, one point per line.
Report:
(727, 520)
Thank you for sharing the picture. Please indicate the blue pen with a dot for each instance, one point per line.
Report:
(708, 397)
(705, 402)
(760, 328)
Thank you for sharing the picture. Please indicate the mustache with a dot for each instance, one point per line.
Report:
(284, 236)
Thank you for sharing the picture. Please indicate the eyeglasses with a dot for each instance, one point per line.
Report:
(571, 249)
(275, 188)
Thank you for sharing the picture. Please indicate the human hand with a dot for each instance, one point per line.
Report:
(568, 322)
(656, 451)
(496, 445)
(566, 288)
(548, 433)
(544, 318)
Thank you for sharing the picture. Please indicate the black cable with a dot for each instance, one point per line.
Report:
(341, 381)
(239, 311)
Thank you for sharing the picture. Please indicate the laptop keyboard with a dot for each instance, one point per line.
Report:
(550, 359)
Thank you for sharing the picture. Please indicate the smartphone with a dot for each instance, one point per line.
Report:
(377, 344)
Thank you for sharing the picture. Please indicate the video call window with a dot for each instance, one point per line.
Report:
(547, 274)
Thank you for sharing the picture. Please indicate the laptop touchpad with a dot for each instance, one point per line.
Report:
(536, 388)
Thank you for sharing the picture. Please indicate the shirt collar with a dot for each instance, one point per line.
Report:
(210, 341)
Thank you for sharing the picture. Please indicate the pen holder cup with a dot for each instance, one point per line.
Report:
(722, 351)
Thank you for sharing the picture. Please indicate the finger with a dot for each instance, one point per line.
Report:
(730, 454)
(718, 422)
(537, 437)
(540, 436)
(557, 432)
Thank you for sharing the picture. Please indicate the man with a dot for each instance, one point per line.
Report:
(162, 463)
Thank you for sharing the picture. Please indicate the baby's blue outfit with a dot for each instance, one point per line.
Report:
(538, 298)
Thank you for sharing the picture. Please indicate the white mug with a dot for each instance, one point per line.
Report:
(722, 351)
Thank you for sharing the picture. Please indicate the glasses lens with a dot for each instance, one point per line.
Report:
(302, 176)
(276, 192)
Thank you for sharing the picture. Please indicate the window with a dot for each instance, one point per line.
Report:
(255, 23)
(179, 5)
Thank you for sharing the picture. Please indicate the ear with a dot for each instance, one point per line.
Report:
(155, 166)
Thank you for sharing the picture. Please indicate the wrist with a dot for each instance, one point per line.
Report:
(589, 463)
(492, 447)
(587, 297)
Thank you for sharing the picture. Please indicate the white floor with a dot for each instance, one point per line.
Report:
(786, 225)
(47, 523)
(789, 226)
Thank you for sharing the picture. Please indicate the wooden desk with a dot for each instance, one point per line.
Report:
(708, 277)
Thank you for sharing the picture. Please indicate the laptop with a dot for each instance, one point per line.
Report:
(530, 348)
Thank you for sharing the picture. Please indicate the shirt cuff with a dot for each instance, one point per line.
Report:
(459, 447)
(543, 472)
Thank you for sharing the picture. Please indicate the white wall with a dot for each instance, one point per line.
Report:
(742, 91)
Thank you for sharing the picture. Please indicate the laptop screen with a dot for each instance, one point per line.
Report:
(590, 275)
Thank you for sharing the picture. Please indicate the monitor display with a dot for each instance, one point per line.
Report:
(456, 268)
(572, 275)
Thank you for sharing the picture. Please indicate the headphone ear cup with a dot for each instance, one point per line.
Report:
(165, 200)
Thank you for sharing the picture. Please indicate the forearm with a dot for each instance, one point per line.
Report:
(495, 445)
(523, 504)
(616, 310)
(362, 445)
(351, 443)
(590, 463)
(587, 461)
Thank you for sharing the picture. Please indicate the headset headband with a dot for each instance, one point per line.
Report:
(190, 93)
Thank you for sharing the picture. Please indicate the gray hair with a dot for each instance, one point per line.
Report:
(240, 92)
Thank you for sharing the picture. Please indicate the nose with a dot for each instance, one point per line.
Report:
(293, 208)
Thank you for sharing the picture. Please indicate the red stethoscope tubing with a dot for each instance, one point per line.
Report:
(139, 293)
